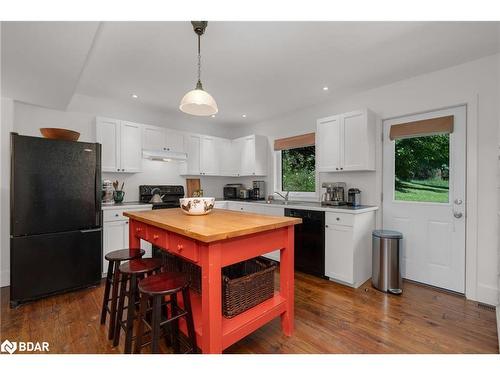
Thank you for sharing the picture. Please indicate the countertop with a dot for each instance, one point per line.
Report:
(126, 205)
(217, 225)
(304, 205)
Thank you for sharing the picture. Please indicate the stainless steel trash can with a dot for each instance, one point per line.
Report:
(386, 261)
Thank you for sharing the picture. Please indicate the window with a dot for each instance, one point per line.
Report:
(298, 170)
(422, 169)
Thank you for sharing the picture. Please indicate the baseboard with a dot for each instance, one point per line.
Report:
(498, 327)
(5, 278)
(487, 294)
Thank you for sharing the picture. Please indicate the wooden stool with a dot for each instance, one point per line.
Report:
(156, 288)
(131, 272)
(114, 259)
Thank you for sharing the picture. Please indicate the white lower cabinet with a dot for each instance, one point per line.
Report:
(262, 209)
(221, 204)
(115, 233)
(348, 249)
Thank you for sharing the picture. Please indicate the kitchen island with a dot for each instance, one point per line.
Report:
(214, 241)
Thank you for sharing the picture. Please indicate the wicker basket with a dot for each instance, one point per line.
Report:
(171, 263)
(193, 274)
(246, 284)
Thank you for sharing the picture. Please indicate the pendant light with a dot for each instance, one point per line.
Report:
(198, 102)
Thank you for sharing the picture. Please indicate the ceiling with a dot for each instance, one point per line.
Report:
(261, 69)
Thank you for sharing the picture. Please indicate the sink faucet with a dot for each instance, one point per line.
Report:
(285, 197)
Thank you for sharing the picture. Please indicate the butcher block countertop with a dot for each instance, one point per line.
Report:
(216, 226)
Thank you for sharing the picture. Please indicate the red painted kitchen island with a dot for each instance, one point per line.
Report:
(216, 240)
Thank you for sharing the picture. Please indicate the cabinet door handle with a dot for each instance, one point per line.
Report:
(155, 237)
(117, 215)
(326, 226)
(179, 248)
(338, 219)
(138, 229)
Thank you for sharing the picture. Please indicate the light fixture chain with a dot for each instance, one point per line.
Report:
(199, 60)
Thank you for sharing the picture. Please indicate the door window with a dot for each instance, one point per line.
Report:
(422, 169)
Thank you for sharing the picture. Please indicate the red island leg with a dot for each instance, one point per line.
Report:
(211, 299)
(133, 241)
(287, 282)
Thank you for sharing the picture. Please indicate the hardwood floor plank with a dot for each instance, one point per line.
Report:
(329, 318)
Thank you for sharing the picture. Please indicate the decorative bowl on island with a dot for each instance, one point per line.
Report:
(197, 206)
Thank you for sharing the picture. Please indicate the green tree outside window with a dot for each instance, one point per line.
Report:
(298, 169)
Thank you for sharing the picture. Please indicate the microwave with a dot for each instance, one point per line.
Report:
(232, 191)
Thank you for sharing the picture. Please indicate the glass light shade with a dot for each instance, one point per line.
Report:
(198, 103)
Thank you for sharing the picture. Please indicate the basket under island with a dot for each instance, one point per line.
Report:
(214, 241)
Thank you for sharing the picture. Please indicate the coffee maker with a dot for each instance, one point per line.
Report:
(259, 190)
(334, 194)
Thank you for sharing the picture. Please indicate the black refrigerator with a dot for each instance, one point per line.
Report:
(56, 225)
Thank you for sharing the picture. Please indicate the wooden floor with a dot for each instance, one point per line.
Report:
(330, 318)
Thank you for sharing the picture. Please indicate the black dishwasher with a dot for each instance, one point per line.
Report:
(309, 241)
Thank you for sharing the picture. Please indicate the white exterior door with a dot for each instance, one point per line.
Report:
(433, 229)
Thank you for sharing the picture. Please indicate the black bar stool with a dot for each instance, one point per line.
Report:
(131, 272)
(154, 289)
(114, 259)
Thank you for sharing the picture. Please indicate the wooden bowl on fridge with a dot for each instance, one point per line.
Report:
(63, 134)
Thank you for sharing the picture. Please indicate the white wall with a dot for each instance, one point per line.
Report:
(6, 126)
(474, 83)
(27, 119)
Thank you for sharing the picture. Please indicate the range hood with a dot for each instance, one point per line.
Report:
(164, 155)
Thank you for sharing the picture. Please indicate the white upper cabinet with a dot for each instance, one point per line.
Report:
(213, 156)
(209, 156)
(328, 144)
(156, 138)
(346, 142)
(108, 135)
(153, 137)
(174, 141)
(227, 164)
(192, 145)
(251, 152)
(131, 147)
(121, 145)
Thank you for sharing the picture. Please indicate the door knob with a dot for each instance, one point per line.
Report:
(458, 215)
(458, 201)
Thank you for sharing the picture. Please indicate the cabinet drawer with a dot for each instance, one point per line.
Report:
(117, 214)
(141, 231)
(183, 247)
(113, 215)
(333, 218)
(157, 237)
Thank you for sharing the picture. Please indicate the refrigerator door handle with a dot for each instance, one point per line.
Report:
(90, 230)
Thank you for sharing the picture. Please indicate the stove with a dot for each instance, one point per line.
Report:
(170, 194)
